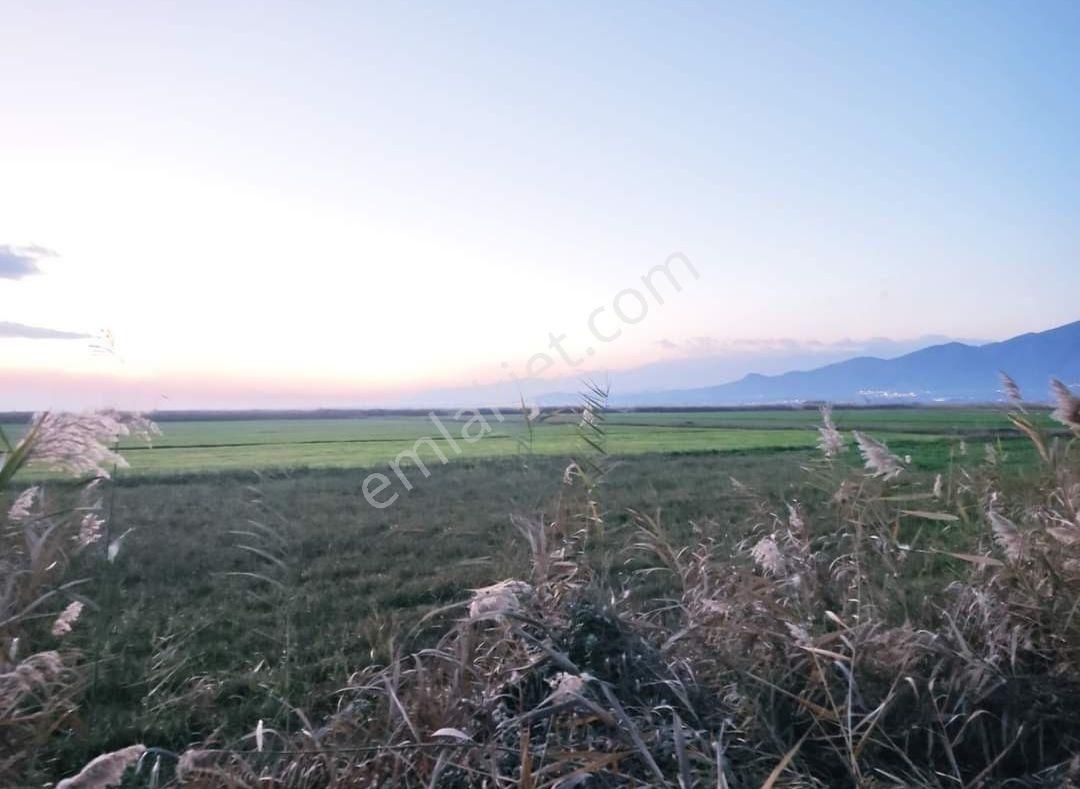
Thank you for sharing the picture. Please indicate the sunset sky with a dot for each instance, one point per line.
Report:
(344, 204)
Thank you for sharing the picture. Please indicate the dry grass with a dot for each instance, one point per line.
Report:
(40, 535)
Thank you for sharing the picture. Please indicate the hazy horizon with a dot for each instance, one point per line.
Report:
(698, 364)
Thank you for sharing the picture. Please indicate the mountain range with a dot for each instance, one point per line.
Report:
(951, 372)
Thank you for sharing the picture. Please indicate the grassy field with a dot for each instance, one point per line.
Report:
(941, 420)
(241, 445)
(169, 663)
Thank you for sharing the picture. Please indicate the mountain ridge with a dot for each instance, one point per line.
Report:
(952, 372)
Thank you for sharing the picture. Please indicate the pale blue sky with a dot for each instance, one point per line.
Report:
(364, 198)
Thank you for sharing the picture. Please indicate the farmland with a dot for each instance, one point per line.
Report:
(258, 444)
(171, 662)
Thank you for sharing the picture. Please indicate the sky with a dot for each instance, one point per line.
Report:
(298, 205)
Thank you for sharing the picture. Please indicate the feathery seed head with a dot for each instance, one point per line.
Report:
(795, 521)
(68, 617)
(1006, 535)
(1011, 389)
(89, 529)
(79, 444)
(1068, 406)
(798, 633)
(104, 771)
(880, 462)
(492, 602)
(565, 685)
(768, 557)
(831, 441)
(24, 504)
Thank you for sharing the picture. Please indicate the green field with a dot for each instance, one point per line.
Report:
(944, 420)
(250, 444)
(168, 660)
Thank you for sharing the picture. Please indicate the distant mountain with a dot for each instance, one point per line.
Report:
(706, 362)
(951, 372)
(720, 362)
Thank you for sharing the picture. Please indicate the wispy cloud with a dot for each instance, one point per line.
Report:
(19, 262)
(20, 330)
